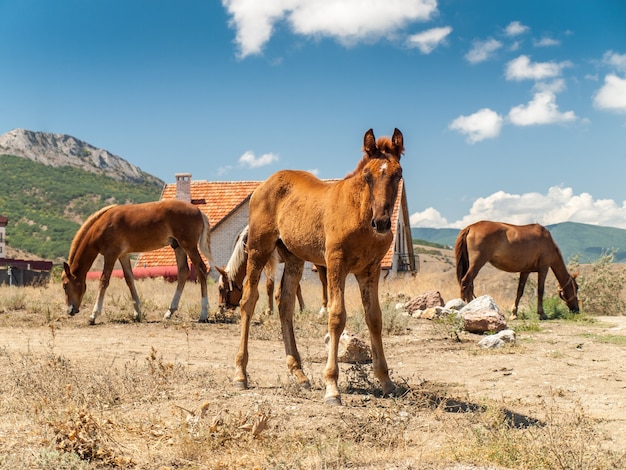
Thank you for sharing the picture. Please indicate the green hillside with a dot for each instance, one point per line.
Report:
(586, 241)
(46, 205)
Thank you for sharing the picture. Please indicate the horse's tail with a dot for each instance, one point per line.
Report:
(460, 253)
(205, 239)
(239, 255)
(272, 265)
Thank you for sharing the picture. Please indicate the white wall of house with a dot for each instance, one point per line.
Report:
(224, 236)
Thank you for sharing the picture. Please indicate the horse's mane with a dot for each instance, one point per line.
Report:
(84, 228)
(384, 144)
(239, 253)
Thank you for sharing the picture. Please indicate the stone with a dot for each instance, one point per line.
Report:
(424, 301)
(351, 349)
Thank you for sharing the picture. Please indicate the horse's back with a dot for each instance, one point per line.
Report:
(511, 247)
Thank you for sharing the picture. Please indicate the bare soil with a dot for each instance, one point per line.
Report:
(560, 378)
(565, 366)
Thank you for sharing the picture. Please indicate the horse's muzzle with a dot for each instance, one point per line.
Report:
(72, 310)
(381, 225)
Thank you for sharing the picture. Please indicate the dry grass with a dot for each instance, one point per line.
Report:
(79, 412)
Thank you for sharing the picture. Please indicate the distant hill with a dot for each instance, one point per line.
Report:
(62, 150)
(47, 194)
(586, 241)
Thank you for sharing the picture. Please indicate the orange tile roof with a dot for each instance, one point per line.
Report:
(219, 199)
(397, 207)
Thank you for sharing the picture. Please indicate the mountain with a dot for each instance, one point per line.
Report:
(586, 241)
(61, 150)
(55, 182)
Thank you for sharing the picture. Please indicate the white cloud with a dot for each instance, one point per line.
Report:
(515, 28)
(542, 109)
(612, 95)
(617, 61)
(249, 160)
(523, 69)
(482, 50)
(546, 42)
(428, 218)
(558, 205)
(483, 124)
(348, 21)
(428, 40)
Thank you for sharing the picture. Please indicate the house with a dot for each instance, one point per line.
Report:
(226, 204)
(20, 272)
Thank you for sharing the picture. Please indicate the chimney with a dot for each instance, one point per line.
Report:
(183, 186)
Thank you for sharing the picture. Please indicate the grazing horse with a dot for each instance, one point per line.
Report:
(117, 231)
(520, 249)
(343, 225)
(230, 284)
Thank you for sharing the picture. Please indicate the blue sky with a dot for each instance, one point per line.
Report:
(510, 110)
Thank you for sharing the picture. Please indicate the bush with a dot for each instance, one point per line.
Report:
(599, 290)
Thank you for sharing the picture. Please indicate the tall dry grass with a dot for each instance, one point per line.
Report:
(68, 413)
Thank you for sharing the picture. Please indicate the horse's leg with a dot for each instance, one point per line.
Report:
(256, 262)
(541, 281)
(520, 291)
(288, 288)
(300, 298)
(321, 272)
(467, 283)
(201, 271)
(105, 277)
(183, 275)
(368, 284)
(269, 287)
(130, 282)
(336, 324)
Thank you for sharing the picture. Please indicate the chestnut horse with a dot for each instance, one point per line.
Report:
(230, 284)
(520, 249)
(343, 225)
(117, 231)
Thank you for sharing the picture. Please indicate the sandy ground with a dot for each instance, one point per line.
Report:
(565, 361)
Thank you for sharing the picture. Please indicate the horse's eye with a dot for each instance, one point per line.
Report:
(368, 177)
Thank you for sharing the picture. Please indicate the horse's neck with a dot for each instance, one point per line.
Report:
(560, 270)
(356, 185)
(236, 267)
(82, 259)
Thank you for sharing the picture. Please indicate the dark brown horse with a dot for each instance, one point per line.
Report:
(520, 249)
(117, 231)
(343, 225)
(230, 284)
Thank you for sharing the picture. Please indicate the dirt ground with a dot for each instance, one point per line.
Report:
(565, 365)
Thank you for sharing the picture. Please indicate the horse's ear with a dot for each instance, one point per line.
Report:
(66, 268)
(369, 143)
(222, 271)
(398, 141)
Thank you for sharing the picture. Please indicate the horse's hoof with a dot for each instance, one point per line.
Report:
(389, 391)
(332, 401)
(92, 321)
(203, 320)
(543, 316)
(306, 385)
(240, 385)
